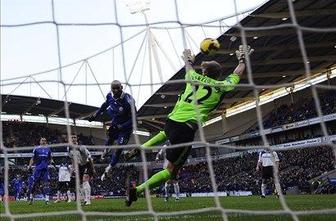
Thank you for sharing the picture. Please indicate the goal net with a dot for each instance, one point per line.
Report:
(72, 51)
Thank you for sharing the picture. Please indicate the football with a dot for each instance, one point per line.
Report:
(209, 45)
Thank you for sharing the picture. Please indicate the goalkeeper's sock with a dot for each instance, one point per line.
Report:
(154, 181)
(157, 139)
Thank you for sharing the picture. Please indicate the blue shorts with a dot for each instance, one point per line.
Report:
(122, 137)
(41, 175)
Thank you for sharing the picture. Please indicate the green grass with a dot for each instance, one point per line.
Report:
(301, 202)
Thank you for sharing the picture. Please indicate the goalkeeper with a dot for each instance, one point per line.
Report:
(194, 104)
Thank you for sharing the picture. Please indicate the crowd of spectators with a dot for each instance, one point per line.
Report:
(22, 134)
(293, 112)
(297, 168)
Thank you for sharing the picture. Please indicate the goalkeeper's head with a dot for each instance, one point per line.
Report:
(211, 69)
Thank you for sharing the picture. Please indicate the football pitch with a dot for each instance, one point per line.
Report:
(233, 204)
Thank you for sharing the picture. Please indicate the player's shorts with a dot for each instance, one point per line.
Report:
(267, 172)
(41, 175)
(63, 185)
(178, 133)
(85, 169)
(122, 137)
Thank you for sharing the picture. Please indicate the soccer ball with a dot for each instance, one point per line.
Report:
(209, 45)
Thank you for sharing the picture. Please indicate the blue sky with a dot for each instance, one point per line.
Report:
(32, 49)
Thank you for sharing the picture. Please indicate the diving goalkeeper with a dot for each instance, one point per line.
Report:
(199, 98)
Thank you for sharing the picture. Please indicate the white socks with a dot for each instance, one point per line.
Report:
(87, 191)
(177, 190)
(166, 189)
(263, 189)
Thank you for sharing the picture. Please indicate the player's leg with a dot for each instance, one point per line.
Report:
(122, 139)
(87, 189)
(166, 192)
(67, 184)
(111, 137)
(81, 195)
(34, 180)
(157, 139)
(176, 190)
(263, 187)
(58, 194)
(46, 185)
(177, 133)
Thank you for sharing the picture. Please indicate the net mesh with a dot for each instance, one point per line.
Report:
(136, 84)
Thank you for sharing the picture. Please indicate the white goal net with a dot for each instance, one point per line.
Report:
(71, 51)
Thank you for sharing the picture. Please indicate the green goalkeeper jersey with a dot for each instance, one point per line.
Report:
(208, 94)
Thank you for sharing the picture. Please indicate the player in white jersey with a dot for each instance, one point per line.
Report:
(85, 167)
(267, 160)
(64, 176)
(162, 155)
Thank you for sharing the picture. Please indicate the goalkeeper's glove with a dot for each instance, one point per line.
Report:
(243, 51)
(188, 57)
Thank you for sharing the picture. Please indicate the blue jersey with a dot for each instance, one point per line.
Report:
(42, 156)
(17, 183)
(119, 110)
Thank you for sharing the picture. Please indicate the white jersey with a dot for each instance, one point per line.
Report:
(64, 173)
(265, 158)
(82, 155)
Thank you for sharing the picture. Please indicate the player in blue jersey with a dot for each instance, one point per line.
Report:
(118, 106)
(41, 159)
(17, 185)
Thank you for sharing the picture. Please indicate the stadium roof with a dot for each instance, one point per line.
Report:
(24, 105)
(277, 58)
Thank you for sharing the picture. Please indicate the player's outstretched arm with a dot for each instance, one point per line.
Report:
(188, 59)
(241, 53)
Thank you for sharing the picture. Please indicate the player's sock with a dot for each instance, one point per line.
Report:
(263, 189)
(46, 191)
(69, 196)
(58, 195)
(87, 191)
(157, 139)
(177, 190)
(166, 190)
(154, 181)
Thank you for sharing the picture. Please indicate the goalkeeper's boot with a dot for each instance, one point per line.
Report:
(131, 154)
(31, 202)
(131, 196)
